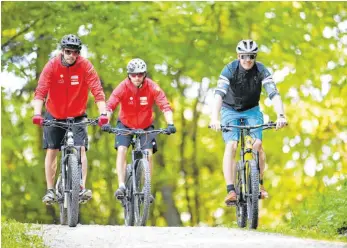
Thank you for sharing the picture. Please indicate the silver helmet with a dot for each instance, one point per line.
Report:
(136, 65)
(247, 46)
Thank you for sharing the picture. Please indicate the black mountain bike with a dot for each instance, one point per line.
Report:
(247, 176)
(136, 201)
(68, 184)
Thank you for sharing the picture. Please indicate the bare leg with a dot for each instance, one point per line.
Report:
(258, 147)
(84, 166)
(121, 164)
(150, 160)
(51, 166)
(229, 162)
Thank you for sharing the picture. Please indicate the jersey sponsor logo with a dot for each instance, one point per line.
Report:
(143, 100)
(61, 80)
(74, 80)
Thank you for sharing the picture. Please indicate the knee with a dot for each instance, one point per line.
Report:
(232, 146)
(83, 151)
(150, 154)
(122, 150)
(52, 152)
(258, 146)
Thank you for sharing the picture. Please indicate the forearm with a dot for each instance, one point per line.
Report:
(216, 107)
(168, 117)
(278, 105)
(37, 104)
(101, 106)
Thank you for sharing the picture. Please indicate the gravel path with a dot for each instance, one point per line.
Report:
(88, 236)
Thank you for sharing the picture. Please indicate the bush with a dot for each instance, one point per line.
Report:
(16, 235)
(325, 213)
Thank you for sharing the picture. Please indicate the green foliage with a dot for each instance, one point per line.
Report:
(17, 235)
(324, 213)
(186, 45)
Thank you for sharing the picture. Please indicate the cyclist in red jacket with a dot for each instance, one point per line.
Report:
(136, 95)
(64, 84)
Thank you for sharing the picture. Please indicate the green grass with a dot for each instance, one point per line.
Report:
(321, 216)
(15, 235)
(303, 232)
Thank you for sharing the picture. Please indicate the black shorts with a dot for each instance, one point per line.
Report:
(146, 141)
(53, 137)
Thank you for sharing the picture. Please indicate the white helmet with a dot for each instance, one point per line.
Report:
(247, 46)
(136, 66)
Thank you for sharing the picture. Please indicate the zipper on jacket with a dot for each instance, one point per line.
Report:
(67, 90)
(137, 109)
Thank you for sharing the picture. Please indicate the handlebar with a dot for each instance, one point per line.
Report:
(123, 131)
(265, 126)
(67, 123)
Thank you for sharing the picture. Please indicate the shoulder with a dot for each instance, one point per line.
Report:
(262, 69)
(150, 82)
(232, 66)
(55, 60)
(123, 84)
(229, 69)
(84, 62)
(260, 66)
(152, 86)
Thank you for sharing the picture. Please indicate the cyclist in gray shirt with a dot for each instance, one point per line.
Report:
(237, 97)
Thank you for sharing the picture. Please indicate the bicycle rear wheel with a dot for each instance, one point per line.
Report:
(241, 206)
(73, 183)
(253, 194)
(128, 201)
(142, 192)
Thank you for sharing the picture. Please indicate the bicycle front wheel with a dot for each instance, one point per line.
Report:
(253, 194)
(73, 179)
(241, 205)
(128, 201)
(142, 192)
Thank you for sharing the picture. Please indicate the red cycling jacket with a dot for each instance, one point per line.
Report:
(67, 88)
(136, 103)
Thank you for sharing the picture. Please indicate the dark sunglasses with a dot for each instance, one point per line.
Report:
(140, 74)
(69, 52)
(250, 56)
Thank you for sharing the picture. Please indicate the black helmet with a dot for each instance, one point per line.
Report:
(71, 41)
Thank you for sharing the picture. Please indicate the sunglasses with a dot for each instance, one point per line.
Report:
(140, 74)
(69, 52)
(246, 56)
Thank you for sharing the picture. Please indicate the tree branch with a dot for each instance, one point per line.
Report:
(22, 32)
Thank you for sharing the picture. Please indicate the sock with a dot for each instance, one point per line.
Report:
(122, 185)
(230, 187)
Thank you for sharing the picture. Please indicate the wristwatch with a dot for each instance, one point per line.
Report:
(281, 115)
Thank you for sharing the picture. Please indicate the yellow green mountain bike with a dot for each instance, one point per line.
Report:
(247, 176)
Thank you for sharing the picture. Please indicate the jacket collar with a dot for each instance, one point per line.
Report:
(60, 56)
(132, 87)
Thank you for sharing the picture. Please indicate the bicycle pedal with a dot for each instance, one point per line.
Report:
(230, 204)
(119, 198)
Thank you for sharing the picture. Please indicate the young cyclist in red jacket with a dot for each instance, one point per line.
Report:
(136, 94)
(64, 84)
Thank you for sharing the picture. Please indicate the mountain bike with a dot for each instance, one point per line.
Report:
(247, 176)
(136, 202)
(68, 184)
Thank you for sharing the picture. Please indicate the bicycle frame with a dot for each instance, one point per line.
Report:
(68, 149)
(248, 179)
(137, 196)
